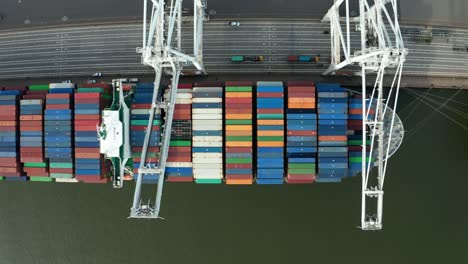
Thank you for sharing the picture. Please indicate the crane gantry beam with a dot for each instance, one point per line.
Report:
(165, 58)
(381, 47)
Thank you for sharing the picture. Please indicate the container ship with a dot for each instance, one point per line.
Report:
(222, 133)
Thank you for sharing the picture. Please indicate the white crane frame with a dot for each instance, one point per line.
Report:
(159, 53)
(382, 47)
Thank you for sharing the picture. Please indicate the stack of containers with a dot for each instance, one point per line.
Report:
(10, 166)
(239, 132)
(32, 137)
(270, 133)
(301, 132)
(90, 166)
(58, 131)
(32, 153)
(179, 162)
(140, 112)
(207, 127)
(332, 130)
(355, 142)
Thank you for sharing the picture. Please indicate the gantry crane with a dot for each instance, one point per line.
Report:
(159, 52)
(381, 48)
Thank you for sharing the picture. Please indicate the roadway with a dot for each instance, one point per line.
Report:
(78, 51)
(17, 12)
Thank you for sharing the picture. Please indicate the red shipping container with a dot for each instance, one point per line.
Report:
(179, 179)
(87, 95)
(58, 96)
(7, 128)
(238, 150)
(173, 150)
(239, 176)
(238, 111)
(239, 166)
(293, 58)
(88, 117)
(304, 89)
(31, 159)
(182, 116)
(183, 107)
(269, 95)
(61, 170)
(270, 111)
(141, 106)
(12, 164)
(240, 100)
(8, 108)
(140, 149)
(299, 181)
(36, 171)
(34, 96)
(32, 128)
(96, 101)
(11, 117)
(178, 159)
(57, 106)
(152, 160)
(183, 111)
(6, 160)
(303, 133)
(31, 117)
(85, 128)
(12, 169)
(238, 106)
(11, 174)
(31, 123)
(86, 122)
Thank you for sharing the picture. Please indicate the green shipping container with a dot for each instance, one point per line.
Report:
(270, 116)
(35, 164)
(358, 159)
(239, 160)
(144, 122)
(180, 143)
(61, 175)
(237, 58)
(238, 89)
(90, 90)
(208, 181)
(39, 87)
(40, 179)
(270, 138)
(239, 138)
(56, 165)
(238, 122)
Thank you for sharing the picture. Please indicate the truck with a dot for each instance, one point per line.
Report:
(238, 58)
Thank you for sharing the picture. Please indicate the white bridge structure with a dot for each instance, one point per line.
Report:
(381, 49)
(162, 51)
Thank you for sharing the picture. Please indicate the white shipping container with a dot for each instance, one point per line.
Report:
(207, 128)
(66, 180)
(207, 100)
(207, 139)
(207, 110)
(61, 85)
(179, 164)
(207, 174)
(208, 117)
(213, 162)
(204, 155)
(207, 144)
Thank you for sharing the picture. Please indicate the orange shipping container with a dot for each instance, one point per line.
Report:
(31, 117)
(238, 181)
(239, 127)
(238, 133)
(270, 133)
(270, 144)
(238, 95)
(270, 122)
(301, 100)
(332, 138)
(301, 105)
(238, 144)
(239, 116)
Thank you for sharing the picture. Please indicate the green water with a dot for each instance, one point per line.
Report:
(425, 217)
